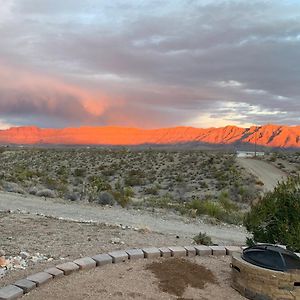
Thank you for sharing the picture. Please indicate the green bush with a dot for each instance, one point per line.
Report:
(275, 219)
(202, 239)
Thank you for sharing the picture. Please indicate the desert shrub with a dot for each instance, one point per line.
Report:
(202, 239)
(50, 182)
(275, 219)
(13, 187)
(134, 178)
(226, 203)
(79, 172)
(33, 190)
(152, 190)
(72, 196)
(99, 183)
(46, 193)
(121, 198)
(226, 211)
(106, 198)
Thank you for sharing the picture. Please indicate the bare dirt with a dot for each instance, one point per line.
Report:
(63, 240)
(266, 172)
(161, 221)
(134, 280)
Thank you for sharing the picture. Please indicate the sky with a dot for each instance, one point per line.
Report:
(149, 64)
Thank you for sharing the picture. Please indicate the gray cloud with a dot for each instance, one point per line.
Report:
(160, 63)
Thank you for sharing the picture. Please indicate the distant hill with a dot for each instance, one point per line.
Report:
(267, 135)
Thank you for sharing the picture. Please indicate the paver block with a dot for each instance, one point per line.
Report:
(85, 263)
(218, 250)
(165, 252)
(10, 292)
(178, 251)
(26, 285)
(203, 250)
(232, 249)
(56, 273)
(118, 256)
(191, 251)
(151, 252)
(40, 278)
(68, 267)
(102, 259)
(135, 253)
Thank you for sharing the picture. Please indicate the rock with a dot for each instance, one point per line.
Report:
(2, 272)
(116, 240)
(3, 261)
(24, 254)
(2, 252)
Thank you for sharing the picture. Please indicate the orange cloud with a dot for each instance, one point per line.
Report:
(47, 93)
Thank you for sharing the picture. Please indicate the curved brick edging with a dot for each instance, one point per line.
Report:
(23, 286)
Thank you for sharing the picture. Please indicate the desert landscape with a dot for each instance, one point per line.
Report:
(191, 182)
(58, 204)
(149, 150)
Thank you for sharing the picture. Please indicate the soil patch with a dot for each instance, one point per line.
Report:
(175, 275)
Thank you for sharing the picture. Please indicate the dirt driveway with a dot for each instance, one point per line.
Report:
(267, 173)
(159, 221)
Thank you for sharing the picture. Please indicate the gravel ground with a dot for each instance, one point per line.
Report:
(132, 280)
(67, 240)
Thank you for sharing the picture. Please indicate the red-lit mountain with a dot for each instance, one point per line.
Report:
(267, 135)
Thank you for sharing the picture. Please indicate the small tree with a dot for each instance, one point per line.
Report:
(276, 218)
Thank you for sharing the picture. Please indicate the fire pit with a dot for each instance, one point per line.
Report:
(266, 272)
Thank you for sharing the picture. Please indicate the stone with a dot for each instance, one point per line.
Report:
(191, 251)
(56, 273)
(178, 251)
(24, 254)
(68, 267)
(3, 262)
(102, 259)
(2, 272)
(10, 292)
(218, 250)
(151, 252)
(135, 253)
(26, 285)
(118, 256)
(231, 249)
(40, 278)
(165, 252)
(203, 250)
(85, 263)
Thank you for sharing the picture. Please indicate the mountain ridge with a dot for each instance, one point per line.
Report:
(269, 135)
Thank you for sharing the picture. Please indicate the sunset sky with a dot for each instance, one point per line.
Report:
(149, 63)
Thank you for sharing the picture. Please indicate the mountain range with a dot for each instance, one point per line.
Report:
(266, 135)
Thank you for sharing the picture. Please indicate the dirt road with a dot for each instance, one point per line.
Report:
(166, 223)
(267, 173)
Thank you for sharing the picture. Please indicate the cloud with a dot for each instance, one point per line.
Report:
(149, 63)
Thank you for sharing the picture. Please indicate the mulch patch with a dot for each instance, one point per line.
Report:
(176, 274)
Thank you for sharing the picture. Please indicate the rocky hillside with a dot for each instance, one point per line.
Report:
(267, 135)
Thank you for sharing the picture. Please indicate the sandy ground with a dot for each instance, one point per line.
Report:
(266, 172)
(66, 240)
(164, 222)
(132, 280)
